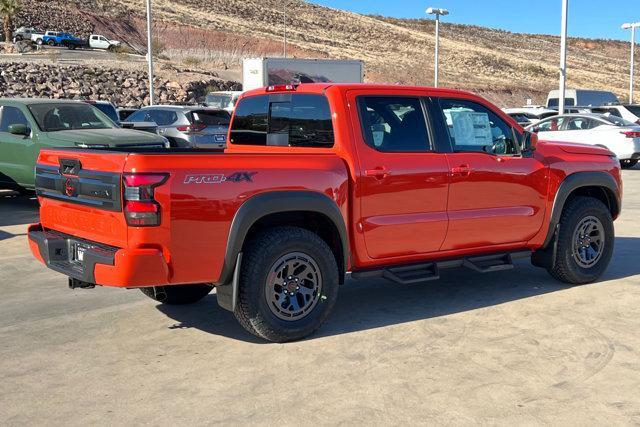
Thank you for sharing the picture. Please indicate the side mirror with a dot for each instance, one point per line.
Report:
(19, 129)
(529, 142)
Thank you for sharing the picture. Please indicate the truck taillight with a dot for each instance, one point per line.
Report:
(631, 134)
(140, 207)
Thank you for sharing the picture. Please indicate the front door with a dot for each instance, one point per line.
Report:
(496, 195)
(402, 185)
(17, 152)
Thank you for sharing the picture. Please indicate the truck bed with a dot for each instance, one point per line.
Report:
(82, 194)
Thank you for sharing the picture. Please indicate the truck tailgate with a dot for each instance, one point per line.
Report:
(80, 194)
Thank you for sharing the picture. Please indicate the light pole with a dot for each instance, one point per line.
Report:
(284, 24)
(563, 56)
(631, 26)
(437, 12)
(149, 52)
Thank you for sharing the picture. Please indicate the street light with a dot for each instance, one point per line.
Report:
(284, 23)
(631, 26)
(437, 12)
(149, 52)
(563, 56)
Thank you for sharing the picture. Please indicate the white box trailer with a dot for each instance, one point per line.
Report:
(261, 72)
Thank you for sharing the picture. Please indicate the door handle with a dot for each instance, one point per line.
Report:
(379, 173)
(463, 170)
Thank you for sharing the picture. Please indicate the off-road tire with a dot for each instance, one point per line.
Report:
(566, 268)
(177, 294)
(628, 164)
(260, 255)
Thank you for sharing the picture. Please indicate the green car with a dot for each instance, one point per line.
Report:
(27, 125)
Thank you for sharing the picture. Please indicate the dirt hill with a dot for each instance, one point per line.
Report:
(506, 67)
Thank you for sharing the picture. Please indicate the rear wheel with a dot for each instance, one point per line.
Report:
(628, 163)
(39, 42)
(177, 294)
(51, 43)
(585, 241)
(288, 284)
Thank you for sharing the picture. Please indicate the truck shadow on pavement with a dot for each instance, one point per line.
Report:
(17, 210)
(371, 304)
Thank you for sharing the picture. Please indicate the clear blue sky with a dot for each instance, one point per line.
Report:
(587, 18)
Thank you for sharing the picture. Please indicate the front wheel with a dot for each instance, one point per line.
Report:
(177, 294)
(288, 284)
(39, 42)
(51, 43)
(585, 241)
(628, 163)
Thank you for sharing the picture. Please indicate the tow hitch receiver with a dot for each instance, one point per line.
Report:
(75, 283)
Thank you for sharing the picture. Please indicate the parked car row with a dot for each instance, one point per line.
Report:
(27, 125)
(60, 38)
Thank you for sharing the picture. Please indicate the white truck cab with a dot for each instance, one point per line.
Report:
(97, 41)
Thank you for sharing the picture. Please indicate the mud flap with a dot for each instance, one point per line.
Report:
(546, 257)
(227, 294)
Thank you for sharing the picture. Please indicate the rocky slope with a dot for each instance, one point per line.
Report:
(122, 87)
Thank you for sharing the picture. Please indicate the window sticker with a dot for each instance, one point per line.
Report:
(471, 128)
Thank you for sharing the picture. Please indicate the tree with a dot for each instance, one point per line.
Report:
(8, 8)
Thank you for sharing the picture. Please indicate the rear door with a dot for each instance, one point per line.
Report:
(496, 194)
(17, 152)
(403, 182)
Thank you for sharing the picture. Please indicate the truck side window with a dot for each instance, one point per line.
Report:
(474, 128)
(11, 116)
(305, 121)
(290, 120)
(394, 124)
(249, 125)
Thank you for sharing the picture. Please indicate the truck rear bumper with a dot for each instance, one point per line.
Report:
(96, 263)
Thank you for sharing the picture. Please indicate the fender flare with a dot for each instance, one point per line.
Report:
(258, 207)
(545, 256)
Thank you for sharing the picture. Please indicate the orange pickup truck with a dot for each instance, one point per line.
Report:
(319, 180)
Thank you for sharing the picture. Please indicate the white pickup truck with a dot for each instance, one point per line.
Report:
(95, 41)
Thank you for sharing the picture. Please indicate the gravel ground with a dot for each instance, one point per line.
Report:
(510, 347)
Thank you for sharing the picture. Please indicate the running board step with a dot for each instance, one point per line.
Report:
(489, 264)
(412, 274)
(420, 273)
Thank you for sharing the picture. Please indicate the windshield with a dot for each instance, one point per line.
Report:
(55, 117)
(211, 118)
(109, 110)
(618, 121)
(635, 109)
(218, 100)
(553, 102)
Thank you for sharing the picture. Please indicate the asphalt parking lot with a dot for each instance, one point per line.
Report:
(510, 347)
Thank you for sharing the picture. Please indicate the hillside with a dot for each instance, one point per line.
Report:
(507, 67)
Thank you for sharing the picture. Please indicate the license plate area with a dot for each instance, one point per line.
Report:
(220, 138)
(78, 250)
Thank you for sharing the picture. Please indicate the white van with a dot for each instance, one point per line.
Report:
(582, 98)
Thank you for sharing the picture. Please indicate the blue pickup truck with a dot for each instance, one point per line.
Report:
(60, 39)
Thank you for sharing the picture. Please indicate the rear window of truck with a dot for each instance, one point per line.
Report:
(283, 119)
